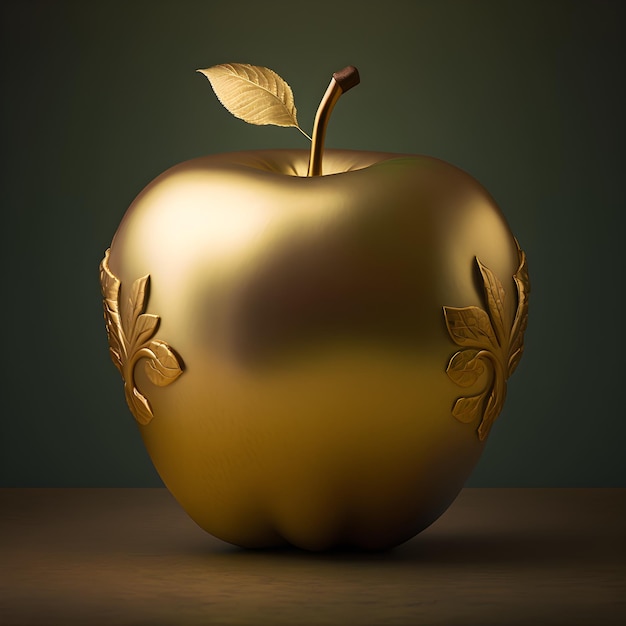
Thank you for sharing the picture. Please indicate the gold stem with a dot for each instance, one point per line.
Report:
(339, 84)
(333, 93)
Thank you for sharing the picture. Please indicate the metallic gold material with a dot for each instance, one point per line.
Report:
(254, 94)
(129, 340)
(330, 98)
(489, 341)
(315, 406)
(340, 82)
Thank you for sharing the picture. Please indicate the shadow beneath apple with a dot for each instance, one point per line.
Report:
(503, 548)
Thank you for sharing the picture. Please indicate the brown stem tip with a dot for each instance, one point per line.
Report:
(347, 78)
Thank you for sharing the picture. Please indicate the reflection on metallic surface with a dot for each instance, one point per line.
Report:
(312, 319)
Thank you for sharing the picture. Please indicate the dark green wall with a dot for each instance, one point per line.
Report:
(100, 97)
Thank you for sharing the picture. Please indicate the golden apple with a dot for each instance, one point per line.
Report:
(314, 360)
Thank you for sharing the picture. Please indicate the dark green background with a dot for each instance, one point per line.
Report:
(100, 97)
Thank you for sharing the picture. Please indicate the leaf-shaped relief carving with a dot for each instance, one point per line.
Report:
(254, 94)
(514, 359)
(493, 407)
(163, 368)
(470, 326)
(110, 286)
(137, 301)
(494, 295)
(138, 405)
(131, 340)
(465, 368)
(520, 322)
(488, 343)
(113, 329)
(466, 410)
(144, 328)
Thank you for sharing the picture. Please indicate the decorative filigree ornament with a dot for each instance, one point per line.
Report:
(488, 343)
(130, 339)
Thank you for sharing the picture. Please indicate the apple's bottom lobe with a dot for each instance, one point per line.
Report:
(325, 452)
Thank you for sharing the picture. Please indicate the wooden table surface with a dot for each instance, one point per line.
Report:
(132, 556)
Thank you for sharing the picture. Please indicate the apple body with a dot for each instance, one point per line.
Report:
(313, 408)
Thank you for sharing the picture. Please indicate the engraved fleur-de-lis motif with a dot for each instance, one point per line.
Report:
(130, 339)
(488, 342)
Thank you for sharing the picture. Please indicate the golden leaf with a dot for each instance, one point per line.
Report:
(144, 327)
(520, 322)
(465, 368)
(492, 409)
(138, 404)
(470, 326)
(136, 301)
(110, 287)
(494, 294)
(514, 359)
(164, 368)
(254, 94)
(129, 340)
(500, 349)
(466, 410)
